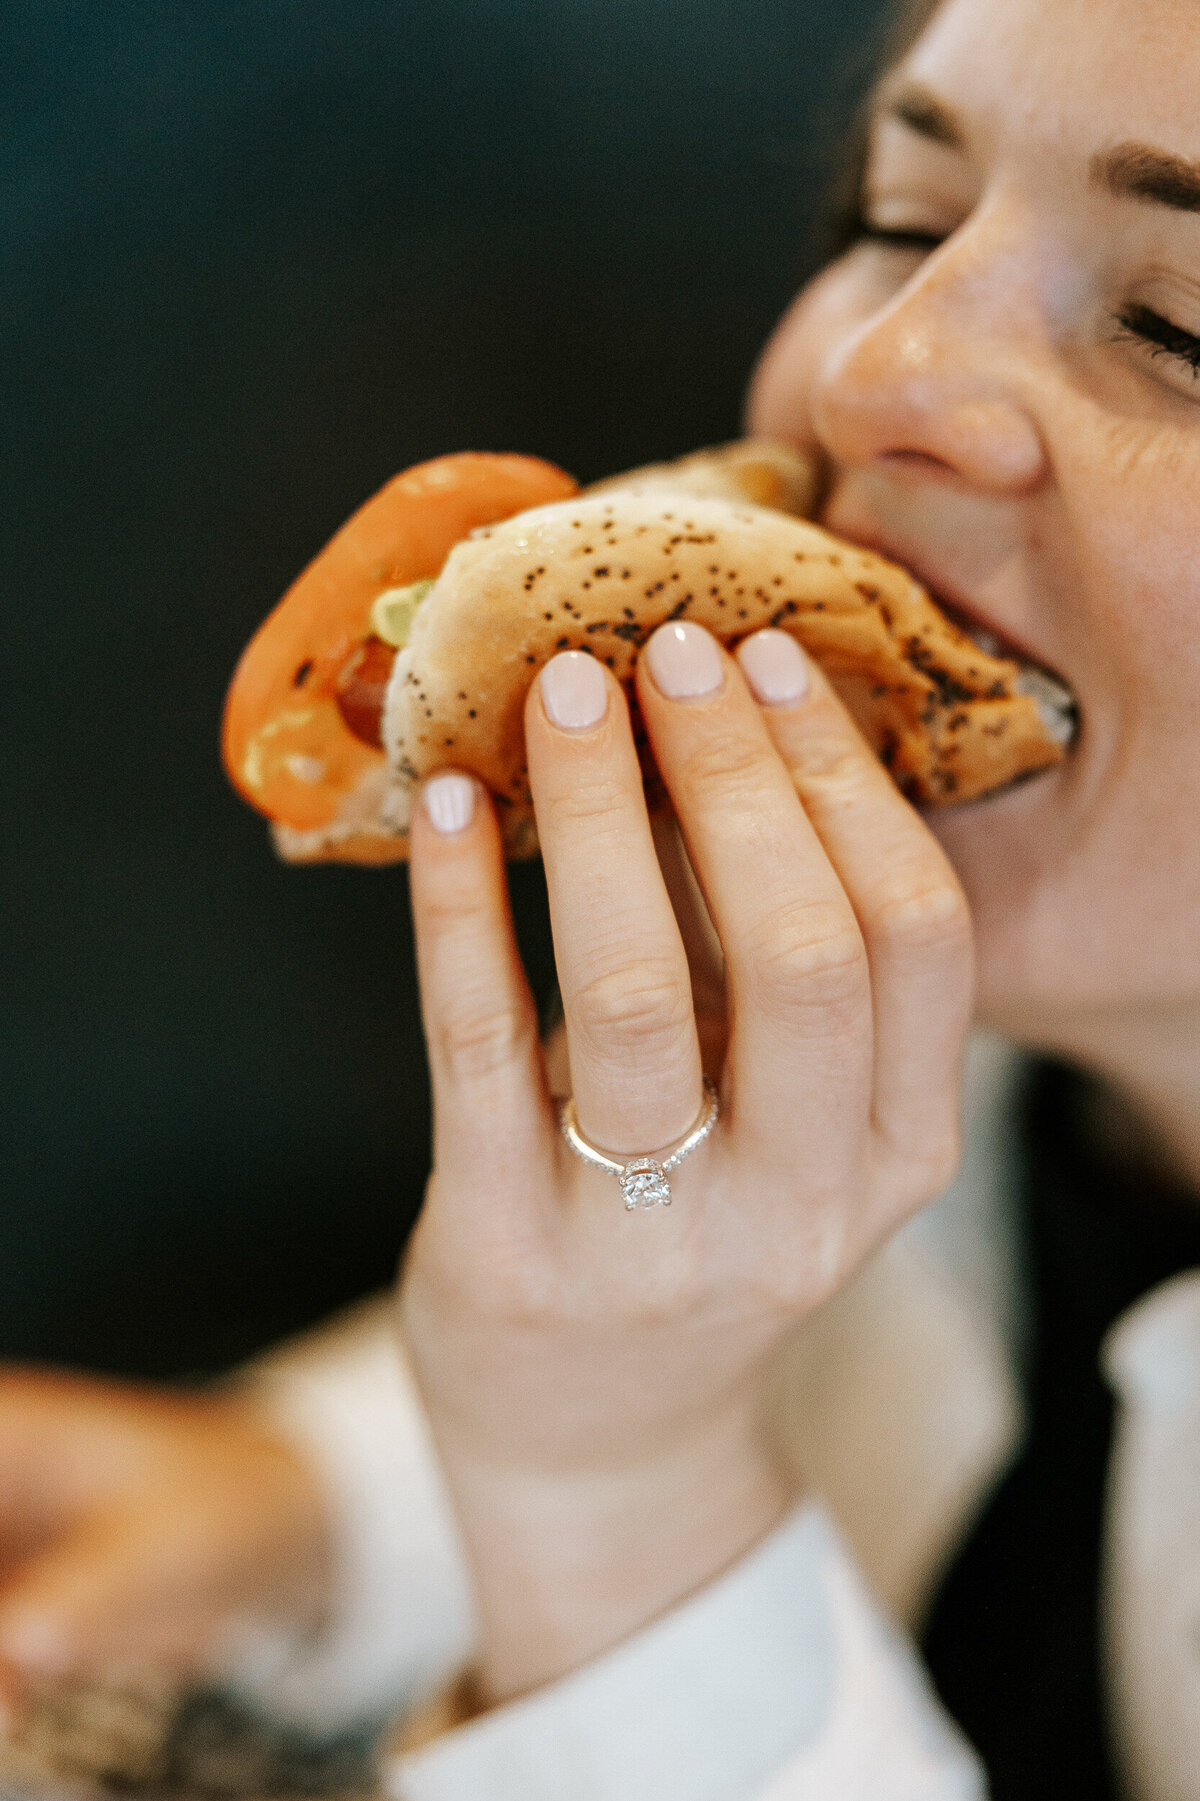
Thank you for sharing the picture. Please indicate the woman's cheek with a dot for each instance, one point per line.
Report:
(1140, 550)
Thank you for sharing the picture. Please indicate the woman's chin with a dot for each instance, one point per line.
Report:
(981, 836)
(1003, 848)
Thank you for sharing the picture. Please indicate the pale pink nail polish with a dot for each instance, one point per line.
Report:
(449, 802)
(775, 667)
(685, 663)
(574, 691)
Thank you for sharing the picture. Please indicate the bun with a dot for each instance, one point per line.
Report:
(601, 572)
(432, 656)
(753, 469)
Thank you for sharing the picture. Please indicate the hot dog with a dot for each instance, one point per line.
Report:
(410, 642)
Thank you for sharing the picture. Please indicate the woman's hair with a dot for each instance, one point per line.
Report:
(900, 32)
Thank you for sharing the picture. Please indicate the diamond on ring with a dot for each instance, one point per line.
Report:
(643, 1179)
(644, 1184)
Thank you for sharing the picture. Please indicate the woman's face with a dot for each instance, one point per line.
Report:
(1004, 375)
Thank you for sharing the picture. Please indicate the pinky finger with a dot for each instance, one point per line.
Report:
(489, 1092)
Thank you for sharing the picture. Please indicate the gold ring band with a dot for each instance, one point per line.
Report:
(643, 1179)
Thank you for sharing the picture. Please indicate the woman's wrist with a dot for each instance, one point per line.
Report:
(567, 1566)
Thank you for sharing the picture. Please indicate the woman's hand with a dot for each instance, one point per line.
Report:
(593, 1375)
(146, 1531)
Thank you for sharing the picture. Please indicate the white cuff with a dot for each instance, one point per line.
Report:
(781, 1681)
(402, 1621)
(1151, 1589)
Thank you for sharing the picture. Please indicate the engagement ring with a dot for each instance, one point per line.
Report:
(643, 1179)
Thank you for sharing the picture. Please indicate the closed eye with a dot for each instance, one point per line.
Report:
(1143, 325)
(895, 237)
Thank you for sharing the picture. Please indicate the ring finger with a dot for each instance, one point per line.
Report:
(622, 966)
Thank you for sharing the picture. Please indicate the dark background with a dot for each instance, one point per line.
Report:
(253, 259)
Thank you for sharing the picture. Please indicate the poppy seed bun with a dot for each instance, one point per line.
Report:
(600, 572)
(754, 469)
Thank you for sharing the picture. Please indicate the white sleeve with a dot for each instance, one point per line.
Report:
(780, 1681)
(401, 1623)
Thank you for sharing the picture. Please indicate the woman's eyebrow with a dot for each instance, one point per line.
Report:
(1140, 172)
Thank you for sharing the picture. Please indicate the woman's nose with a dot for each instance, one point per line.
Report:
(943, 373)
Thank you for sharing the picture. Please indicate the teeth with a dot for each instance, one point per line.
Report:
(1055, 703)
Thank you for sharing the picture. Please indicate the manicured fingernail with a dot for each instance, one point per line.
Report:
(775, 667)
(684, 661)
(574, 691)
(449, 802)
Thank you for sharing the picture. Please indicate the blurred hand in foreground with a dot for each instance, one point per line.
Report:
(144, 1529)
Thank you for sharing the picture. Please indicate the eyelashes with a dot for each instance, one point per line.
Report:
(921, 241)
(1143, 325)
